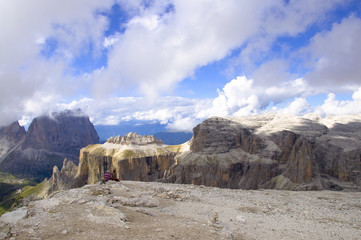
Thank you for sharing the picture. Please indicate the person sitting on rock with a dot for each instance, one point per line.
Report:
(114, 176)
(107, 176)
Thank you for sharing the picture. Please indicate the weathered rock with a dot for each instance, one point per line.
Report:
(10, 136)
(133, 157)
(256, 152)
(13, 133)
(134, 138)
(246, 153)
(48, 141)
(65, 132)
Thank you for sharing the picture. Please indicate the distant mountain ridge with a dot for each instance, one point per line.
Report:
(48, 141)
(143, 128)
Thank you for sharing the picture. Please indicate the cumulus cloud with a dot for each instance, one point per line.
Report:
(335, 57)
(298, 107)
(28, 26)
(160, 48)
(164, 42)
(242, 97)
(175, 112)
(332, 106)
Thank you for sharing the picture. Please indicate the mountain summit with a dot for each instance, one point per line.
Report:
(48, 141)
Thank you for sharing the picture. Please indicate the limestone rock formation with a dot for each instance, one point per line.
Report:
(133, 157)
(10, 136)
(271, 151)
(265, 151)
(134, 138)
(48, 141)
(13, 133)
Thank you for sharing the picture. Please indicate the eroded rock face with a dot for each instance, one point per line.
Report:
(10, 136)
(246, 153)
(48, 141)
(256, 152)
(132, 157)
(12, 133)
(134, 138)
(63, 132)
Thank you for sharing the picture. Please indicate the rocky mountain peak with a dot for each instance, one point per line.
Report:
(48, 141)
(134, 139)
(14, 132)
(62, 132)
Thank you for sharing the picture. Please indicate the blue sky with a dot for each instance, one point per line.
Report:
(178, 62)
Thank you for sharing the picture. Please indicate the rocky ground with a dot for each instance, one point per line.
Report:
(139, 210)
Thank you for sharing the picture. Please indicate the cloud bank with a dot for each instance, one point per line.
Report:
(66, 55)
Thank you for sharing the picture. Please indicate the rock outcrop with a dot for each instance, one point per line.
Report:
(10, 136)
(272, 151)
(48, 141)
(134, 139)
(132, 157)
(266, 151)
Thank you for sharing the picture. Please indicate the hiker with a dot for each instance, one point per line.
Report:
(114, 176)
(107, 176)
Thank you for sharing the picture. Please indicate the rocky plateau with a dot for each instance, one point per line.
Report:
(151, 210)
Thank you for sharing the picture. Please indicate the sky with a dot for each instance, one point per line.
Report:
(178, 62)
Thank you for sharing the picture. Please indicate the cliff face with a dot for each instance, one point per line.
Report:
(12, 133)
(64, 132)
(272, 151)
(48, 141)
(133, 157)
(267, 151)
(10, 136)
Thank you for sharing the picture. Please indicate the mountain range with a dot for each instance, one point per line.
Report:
(264, 151)
(258, 152)
(143, 128)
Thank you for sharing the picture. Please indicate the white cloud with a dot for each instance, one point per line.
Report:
(27, 77)
(298, 107)
(242, 97)
(335, 57)
(109, 41)
(158, 51)
(332, 106)
(159, 48)
(177, 113)
(183, 124)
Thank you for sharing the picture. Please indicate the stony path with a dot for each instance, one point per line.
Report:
(138, 210)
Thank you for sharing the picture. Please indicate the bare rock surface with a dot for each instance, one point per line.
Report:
(48, 141)
(141, 210)
(258, 152)
(134, 138)
(273, 151)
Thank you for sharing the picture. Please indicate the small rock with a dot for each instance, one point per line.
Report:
(64, 232)
(215, 218)
(241, 219)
